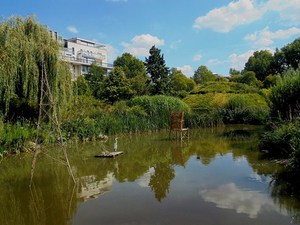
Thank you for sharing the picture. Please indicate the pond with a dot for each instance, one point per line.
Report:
(218, 176)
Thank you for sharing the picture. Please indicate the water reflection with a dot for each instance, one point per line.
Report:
(153, 174)
(90, 187)
(229, 196)
(160, 180)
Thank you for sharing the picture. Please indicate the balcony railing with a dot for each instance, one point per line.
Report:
(85, 61)
(91, 54)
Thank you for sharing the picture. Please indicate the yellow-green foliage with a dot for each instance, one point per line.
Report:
(210, 100)
(224, 87)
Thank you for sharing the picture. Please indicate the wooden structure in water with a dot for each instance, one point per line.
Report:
(107, 154)
(177, 128)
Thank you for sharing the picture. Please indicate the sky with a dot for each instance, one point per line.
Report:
(220, 34)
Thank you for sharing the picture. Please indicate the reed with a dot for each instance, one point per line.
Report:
(146, 113)
(282, 141)
(15, 138)
(285, 96)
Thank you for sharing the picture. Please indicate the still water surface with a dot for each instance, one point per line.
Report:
(217, 177)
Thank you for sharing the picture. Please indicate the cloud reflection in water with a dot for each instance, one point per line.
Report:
(229, 196)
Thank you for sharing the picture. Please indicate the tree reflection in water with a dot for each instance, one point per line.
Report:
(285, 190)
(160, 180)
(53, 198)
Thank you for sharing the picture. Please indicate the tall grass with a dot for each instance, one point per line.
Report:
(285, 96)
(16, 137)
(159, 108)
(283, 141)
(144, 113)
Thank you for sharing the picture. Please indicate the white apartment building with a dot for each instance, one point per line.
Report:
(81, 53)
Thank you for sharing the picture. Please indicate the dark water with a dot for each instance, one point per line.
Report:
(217, 177)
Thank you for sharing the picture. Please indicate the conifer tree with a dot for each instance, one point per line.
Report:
(158, 71)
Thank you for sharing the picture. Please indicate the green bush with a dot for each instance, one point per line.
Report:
(285, 96)
(15, 138)
(214, 109)
(283, 141)
(224, 87)
(245, 108)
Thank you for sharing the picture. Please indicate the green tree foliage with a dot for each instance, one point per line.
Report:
(116, 86)
(81, 87)
(135, 71)
(279, 62)
(291, 54)
(247, 78)
(271, 80)
(27, 51)
(180, 83)
(95, 78)
(203, 75)
(261, 63)
(233, 72)
(130, 65)
(158, 71)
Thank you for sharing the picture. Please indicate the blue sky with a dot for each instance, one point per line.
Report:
(220, 34)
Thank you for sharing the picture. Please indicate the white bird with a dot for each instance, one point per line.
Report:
(116, 144)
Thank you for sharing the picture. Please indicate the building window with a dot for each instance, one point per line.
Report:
(84, 69)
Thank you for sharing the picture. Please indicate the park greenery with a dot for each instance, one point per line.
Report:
(139, 96)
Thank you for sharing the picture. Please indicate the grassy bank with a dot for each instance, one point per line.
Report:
(87, 119)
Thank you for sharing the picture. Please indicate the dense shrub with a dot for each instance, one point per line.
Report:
(285, 96)
(246, 108)
(224, 87)
(221, 108)
(283, 141)
(15, 138)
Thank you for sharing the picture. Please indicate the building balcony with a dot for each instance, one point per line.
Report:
(91, 55)
(86, 61)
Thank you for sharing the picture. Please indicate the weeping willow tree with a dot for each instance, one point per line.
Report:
(28, 52)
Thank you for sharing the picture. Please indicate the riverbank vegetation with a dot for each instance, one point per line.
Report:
(135, 96)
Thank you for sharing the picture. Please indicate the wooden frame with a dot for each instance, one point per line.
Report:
(177, 129)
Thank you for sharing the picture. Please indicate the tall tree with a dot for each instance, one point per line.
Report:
(95, 78)
(135, 71)
(203, 75)
(27, 51)
(261, 63)
(159, 72)
(179, 82)
(292, 54)
(116, 86)
(130, 65)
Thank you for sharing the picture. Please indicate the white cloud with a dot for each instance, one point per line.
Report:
(242, 12)
(265, 37)
(225, 18)
(186, 70)
(140, 44)
(288, 10)
(197, 57)
(112, 53)
(251, 203)
(145, 180)
(72, 29)
(238, 61)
